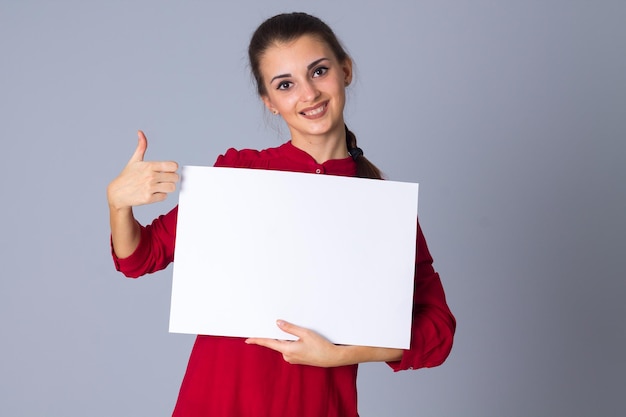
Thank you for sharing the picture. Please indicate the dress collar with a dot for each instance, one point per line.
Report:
(344, 166)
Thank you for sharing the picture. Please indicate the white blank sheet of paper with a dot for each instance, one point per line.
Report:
(333, 254)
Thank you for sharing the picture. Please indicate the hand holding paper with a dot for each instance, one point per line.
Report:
(312, 349)
(309, 349)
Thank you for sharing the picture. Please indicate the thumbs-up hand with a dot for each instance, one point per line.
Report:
(142, 182)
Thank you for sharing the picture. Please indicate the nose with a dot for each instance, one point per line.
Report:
(309, 91)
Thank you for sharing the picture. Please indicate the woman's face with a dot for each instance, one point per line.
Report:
(305, 84)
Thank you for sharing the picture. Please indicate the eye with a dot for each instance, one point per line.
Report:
(319, 71)
(284, 85)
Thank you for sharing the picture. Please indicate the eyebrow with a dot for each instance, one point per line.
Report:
(309, 67)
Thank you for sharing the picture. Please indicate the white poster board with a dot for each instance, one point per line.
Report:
(333, 254)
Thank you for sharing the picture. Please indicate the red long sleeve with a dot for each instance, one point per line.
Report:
(155, 250)
(433, 323)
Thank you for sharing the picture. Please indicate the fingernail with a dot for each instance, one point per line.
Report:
(280, 323)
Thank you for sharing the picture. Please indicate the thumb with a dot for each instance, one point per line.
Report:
(142, 145)
(290, 328)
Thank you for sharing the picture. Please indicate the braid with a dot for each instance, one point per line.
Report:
(364, 168)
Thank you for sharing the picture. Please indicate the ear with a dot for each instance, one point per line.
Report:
(347, 70)
(268, 104)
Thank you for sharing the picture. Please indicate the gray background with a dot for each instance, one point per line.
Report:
(511, 115)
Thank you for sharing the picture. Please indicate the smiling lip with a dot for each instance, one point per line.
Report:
(315, 112)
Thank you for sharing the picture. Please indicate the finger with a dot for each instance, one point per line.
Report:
(157, 197)
(164, 187)
(166, 177)
(277, 345)
(291, 328)
(142, 145)
(164, 166)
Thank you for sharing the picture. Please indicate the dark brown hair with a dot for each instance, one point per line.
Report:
(288, 27)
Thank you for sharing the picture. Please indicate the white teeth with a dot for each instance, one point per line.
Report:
(316, 111)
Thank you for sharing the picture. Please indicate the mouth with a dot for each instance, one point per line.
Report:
(316, 111)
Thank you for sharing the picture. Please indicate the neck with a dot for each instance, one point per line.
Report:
(323, 147)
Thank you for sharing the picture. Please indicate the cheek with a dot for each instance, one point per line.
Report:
(285, 101)
(337, 86)
(340, 92)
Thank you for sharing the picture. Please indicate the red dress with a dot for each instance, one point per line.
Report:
(226, 377)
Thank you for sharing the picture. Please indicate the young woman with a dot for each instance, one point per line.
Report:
(302, 72)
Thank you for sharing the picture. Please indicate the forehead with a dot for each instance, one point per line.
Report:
(286, 57)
